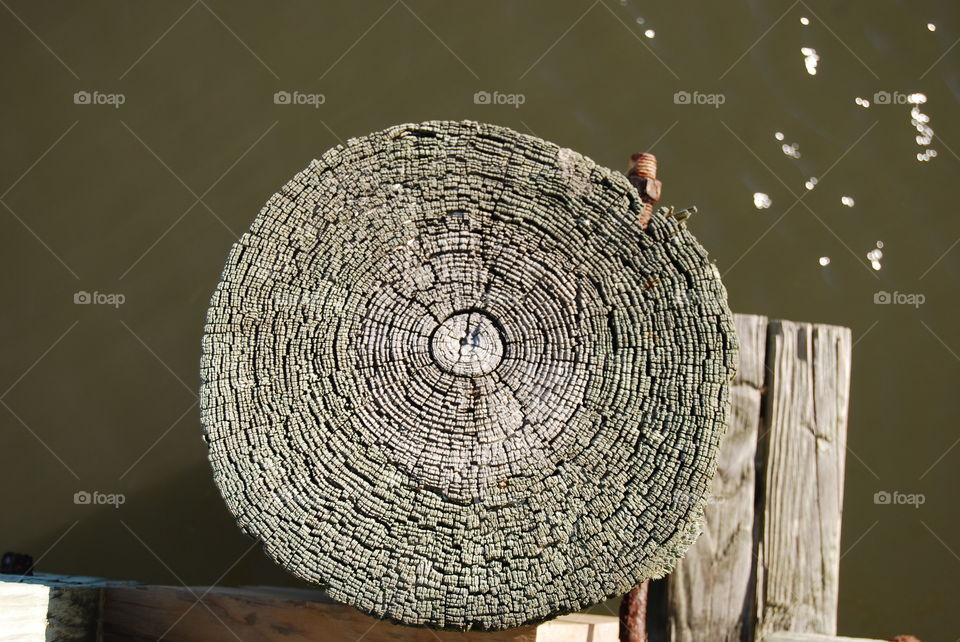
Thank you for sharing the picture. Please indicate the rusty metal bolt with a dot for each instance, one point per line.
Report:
(643, 165)
(643, 176)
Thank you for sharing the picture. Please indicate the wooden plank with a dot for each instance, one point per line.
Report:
(711, 592)
(579, 627)
(269, 615)
(43, 607)
(805, 422)
(812, 637)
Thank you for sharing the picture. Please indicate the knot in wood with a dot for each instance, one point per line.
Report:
(467, 344)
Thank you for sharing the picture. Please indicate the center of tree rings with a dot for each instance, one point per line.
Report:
(467, 344)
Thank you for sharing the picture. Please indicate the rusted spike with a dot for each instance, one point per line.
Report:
(633, 614)
(643, 175)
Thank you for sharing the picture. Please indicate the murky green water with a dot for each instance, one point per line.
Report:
(144, 198)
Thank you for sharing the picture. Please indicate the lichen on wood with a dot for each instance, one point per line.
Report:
(448, 378)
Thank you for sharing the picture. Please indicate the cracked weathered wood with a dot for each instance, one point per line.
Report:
(87, 609)
(711, 592)
(265, 614)
(447, 378)
(805, 422)
(768, 559)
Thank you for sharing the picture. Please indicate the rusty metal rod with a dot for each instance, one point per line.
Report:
(633, 614)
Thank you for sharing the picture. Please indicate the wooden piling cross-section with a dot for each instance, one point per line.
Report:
(449, 377)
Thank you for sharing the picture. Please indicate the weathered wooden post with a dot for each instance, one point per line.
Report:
(768, 560)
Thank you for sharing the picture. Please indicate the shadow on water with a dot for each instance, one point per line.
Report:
(175, 531)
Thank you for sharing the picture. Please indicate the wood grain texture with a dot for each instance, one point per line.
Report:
(272, 615)
(711, 593)
(85, 609)
(768, 560)
(447, 378)
(805, 423)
